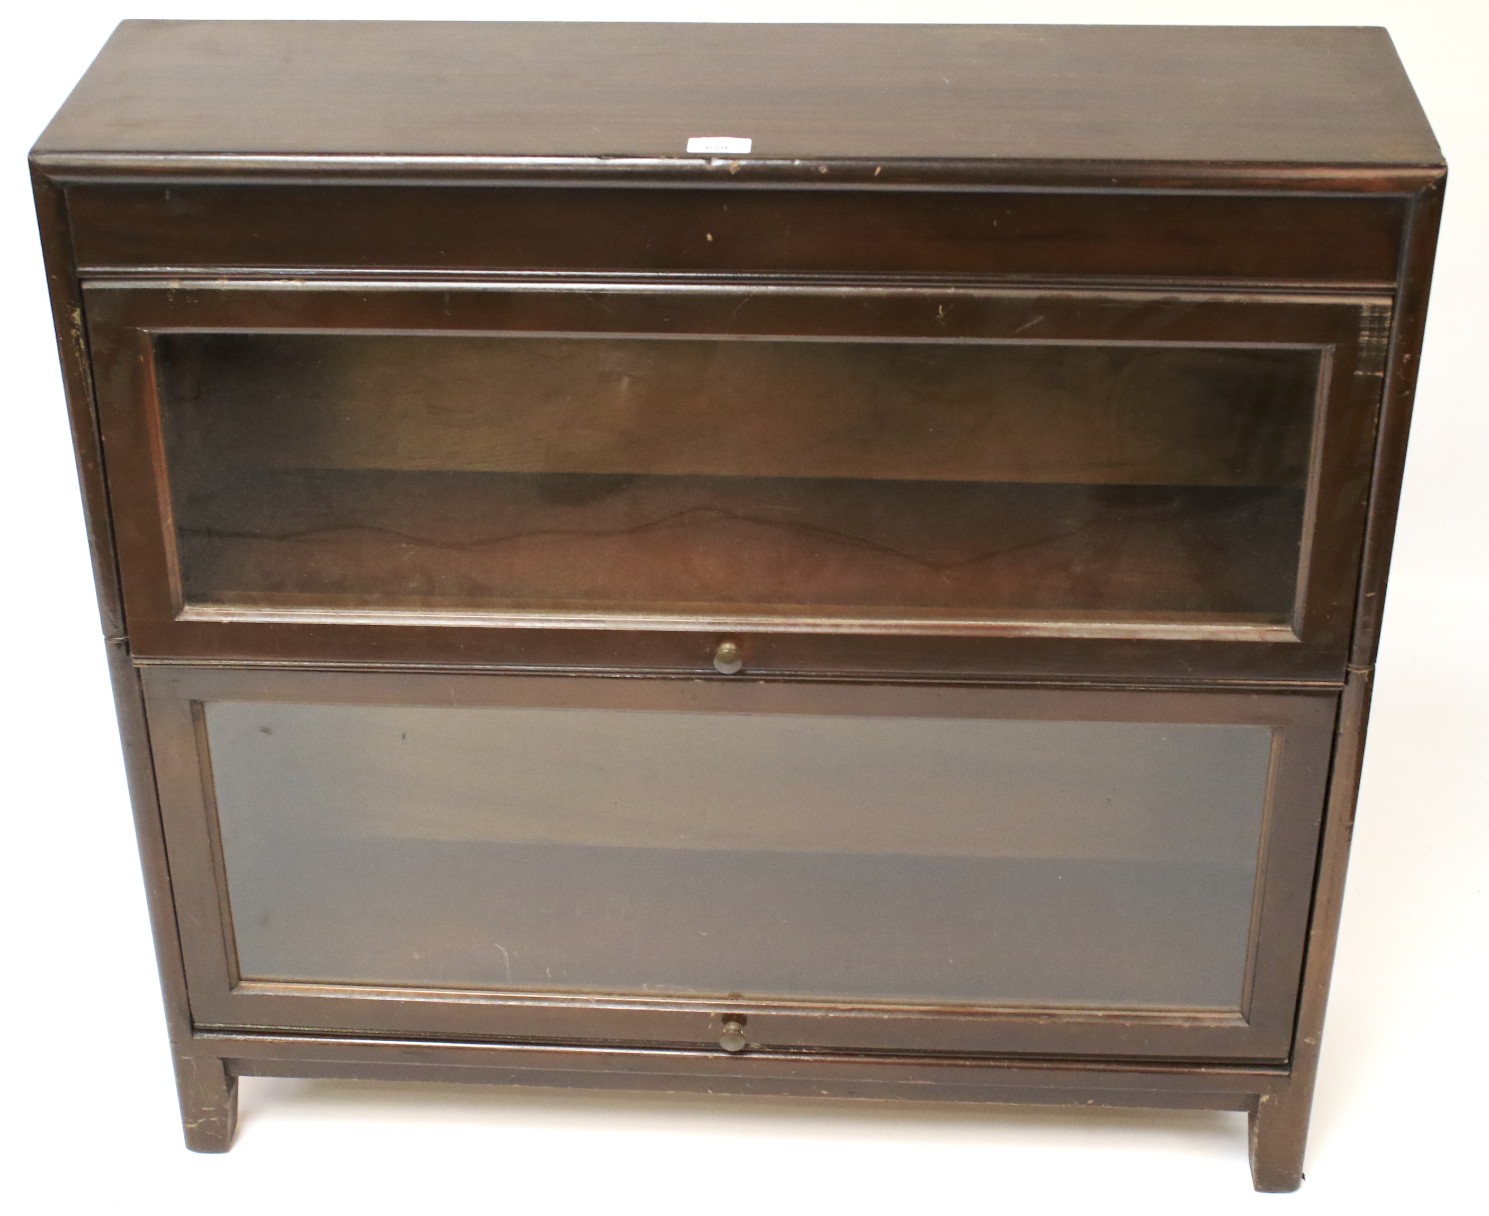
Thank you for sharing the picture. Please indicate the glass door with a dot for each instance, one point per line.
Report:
(497, 855)
(935, 463)
(849, 480)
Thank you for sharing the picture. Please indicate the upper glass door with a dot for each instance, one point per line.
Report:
(995, 464)
(868, 480)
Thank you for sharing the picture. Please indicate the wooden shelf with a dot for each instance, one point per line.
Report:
(431, 541)
(565, 918)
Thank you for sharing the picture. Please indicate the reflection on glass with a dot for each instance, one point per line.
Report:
(938, 861)
(877, 480)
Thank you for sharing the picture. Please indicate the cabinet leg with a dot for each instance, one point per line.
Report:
(1278, 1132)
(209, 1103)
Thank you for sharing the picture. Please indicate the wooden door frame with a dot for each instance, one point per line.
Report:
(1348, 332)
(1303, 724)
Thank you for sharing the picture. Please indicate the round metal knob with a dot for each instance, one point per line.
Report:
(733, 1037)
(727, 659)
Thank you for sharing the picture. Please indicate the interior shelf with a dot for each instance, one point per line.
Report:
(939, 930)
(444, 540)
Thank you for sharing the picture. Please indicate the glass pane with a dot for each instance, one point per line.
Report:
(766, 855)
(864, 480)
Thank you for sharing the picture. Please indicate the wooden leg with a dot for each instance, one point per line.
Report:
(1279, 1133)
(209, 1103)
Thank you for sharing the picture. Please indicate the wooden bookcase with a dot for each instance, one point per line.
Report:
(888, 611)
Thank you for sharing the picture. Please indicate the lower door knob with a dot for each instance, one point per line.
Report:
(727, 658)
(733, 1037)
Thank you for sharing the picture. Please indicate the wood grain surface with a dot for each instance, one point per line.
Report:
(1332, 96)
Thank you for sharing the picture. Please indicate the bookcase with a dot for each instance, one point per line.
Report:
(886, 611)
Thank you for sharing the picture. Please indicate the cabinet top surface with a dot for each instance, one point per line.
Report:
(800, 93)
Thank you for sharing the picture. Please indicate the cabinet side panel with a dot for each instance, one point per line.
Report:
(1419, 247)
(77, 382)
(206, 1095)
(1338, 831)
(208, 1098)
(1279, 1122)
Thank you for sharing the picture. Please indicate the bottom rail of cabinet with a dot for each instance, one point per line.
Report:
(1276, 1100)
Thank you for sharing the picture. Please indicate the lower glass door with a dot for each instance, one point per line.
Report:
(955, 858)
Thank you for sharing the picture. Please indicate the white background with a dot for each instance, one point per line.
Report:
(88, 1102)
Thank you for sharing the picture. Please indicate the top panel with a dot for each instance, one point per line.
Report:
(799, 93)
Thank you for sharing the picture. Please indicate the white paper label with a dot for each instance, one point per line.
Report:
(724, 144)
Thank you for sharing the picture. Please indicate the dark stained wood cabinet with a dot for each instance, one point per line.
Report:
(881, 605)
